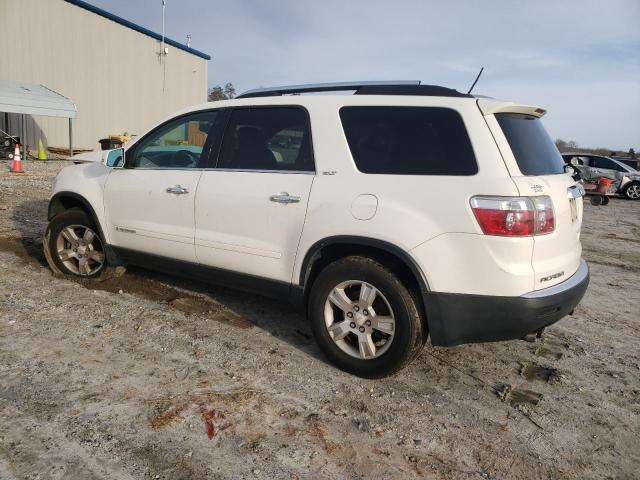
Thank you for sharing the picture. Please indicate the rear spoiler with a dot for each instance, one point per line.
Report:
(490, 107)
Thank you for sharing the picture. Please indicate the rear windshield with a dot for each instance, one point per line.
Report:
(531, 145)
(408, 140)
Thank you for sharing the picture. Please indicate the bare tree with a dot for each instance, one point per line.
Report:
(561, 144)
(221, 93)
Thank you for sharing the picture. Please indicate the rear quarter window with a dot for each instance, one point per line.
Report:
(533, 149)
(408, 140)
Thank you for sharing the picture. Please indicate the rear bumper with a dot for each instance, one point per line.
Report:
(459, 318)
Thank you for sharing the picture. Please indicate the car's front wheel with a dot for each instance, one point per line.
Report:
(72, 245)
(364, 318)
(632, 191)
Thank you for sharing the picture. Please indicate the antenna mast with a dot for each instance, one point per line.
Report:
(475, 81)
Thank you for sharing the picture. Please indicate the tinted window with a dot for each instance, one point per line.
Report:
(267, 139)
(176, 144)
(408, 140)
(601, 162)
(531, 145)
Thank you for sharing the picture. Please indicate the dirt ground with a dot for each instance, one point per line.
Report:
(149, 376)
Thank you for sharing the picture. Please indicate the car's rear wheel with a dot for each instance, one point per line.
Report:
(72, 245)
(632, 191)
(364, 318)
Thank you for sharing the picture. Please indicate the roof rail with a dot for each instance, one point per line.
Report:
(323, 87)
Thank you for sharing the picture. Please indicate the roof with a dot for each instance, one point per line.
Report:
(583, 154)
(33, 99)
(394, 87)
(137, 28)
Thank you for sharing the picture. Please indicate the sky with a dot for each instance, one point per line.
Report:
(579, 59)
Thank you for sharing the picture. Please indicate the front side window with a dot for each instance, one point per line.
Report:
(576, 160)
(176, 144)
(273, 138)
(408, 140)
(533, 149)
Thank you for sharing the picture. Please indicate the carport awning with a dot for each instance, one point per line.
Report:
(33, 99)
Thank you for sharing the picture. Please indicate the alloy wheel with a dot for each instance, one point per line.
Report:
(79, 249)
(359, 319)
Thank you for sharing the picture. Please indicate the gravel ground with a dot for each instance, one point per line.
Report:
(149, 376)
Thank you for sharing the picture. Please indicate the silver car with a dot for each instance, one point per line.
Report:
(592, 167)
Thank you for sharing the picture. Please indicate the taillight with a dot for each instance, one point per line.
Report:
(514, 216)
(544, 221)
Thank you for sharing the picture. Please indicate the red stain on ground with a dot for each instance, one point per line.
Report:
(209, 417)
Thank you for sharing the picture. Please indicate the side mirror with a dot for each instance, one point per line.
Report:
(114, 158)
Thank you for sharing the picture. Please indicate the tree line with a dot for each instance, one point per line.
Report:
(572, 146)
(221, 93)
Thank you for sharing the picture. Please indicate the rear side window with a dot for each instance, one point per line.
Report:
(272, 139)
(601, 162)
(408, 140)
(533, 149)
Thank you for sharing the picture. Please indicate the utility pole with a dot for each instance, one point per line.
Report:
(163, 52)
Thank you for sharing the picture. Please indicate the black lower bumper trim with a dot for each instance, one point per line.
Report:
(459, 318)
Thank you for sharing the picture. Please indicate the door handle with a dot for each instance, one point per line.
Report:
(284, 197)
(177, 189)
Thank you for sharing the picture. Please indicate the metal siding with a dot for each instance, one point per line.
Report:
(111, 73)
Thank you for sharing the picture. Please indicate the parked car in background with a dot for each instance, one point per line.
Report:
(391, 215)
(591, 167)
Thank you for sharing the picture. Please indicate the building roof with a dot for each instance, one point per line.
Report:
(137, 28)
(33, 99)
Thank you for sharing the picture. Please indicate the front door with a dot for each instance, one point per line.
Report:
(250, 208)
(150, 202)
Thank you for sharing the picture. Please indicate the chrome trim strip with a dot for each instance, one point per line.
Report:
(297, 172)
(568, 284)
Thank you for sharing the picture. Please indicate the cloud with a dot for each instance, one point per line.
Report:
(580, 59)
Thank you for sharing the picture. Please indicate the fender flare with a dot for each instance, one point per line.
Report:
(390, 248)
(52, 211)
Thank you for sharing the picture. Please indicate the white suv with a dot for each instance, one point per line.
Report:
(390, 214)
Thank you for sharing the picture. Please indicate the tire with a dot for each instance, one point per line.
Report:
(632, 191)
(596, 200)
(605, 200)
(381, 352)
(70, 250)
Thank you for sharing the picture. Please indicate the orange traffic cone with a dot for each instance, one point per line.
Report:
(16, 166)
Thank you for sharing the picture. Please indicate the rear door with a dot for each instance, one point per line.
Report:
(537, 169)
(250, 208)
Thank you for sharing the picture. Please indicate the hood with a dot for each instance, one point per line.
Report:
(93, 156)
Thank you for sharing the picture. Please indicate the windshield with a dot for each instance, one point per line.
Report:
(533, 149)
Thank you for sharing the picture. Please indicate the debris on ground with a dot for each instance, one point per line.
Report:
(131, 381)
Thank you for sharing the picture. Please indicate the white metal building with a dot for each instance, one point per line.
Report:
(110, 68)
